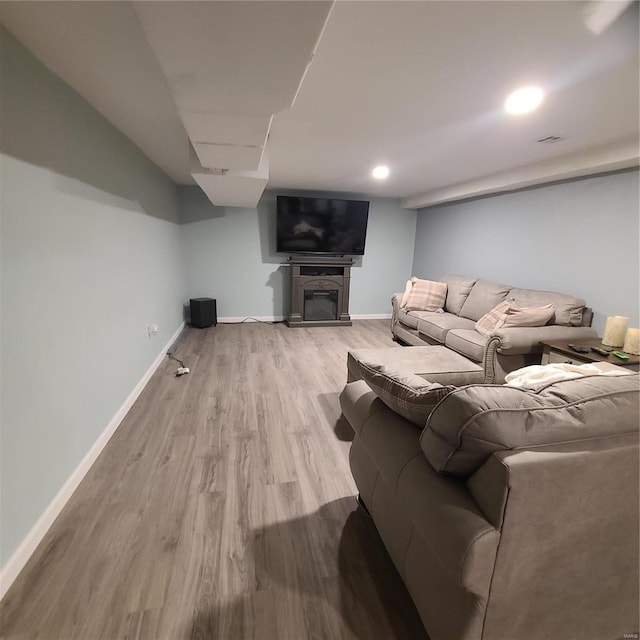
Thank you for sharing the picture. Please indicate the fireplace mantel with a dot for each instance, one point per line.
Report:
(319, 291)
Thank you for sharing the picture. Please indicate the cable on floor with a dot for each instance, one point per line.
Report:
(255, 320)
(174, 358)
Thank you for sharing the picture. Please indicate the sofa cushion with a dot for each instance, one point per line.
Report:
(436, 326)
(407, 394)
(458, 289)
(468, 342)
(473, 422)
(425, 295)
(484, 296)
(411, 318)
(567, 309)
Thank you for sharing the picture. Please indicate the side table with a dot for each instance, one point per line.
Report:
(559, 351)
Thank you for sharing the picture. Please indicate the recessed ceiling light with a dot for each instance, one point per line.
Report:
(524, 100)
(380, 173)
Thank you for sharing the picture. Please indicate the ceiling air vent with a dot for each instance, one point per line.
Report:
(550, 139)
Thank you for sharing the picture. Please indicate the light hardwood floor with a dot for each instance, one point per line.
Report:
(223, 507)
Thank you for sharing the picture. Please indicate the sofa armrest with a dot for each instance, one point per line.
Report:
(524, 340)
(569, 533)
(489, 486)
(359, 403)
(450, 523)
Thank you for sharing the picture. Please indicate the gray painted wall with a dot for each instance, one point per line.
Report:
(578, 237)
(90, 255)
(230, 255)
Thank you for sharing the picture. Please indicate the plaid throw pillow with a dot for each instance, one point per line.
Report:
(407, 290)
(407, 394)
(508, 314)
(425, 295)
(493, 318)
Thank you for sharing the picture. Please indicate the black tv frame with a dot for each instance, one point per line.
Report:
(321, 214)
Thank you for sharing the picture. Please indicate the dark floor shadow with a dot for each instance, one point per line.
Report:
(343, 430)
(330, 402)
(316, 577)
(370, 575)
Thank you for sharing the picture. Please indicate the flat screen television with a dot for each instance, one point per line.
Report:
(321, 225)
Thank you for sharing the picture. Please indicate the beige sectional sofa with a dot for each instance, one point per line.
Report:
(513, 515)
(506, 349)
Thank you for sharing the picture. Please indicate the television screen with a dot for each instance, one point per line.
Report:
(321, 225)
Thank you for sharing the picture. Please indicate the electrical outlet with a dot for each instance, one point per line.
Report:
(152, 329)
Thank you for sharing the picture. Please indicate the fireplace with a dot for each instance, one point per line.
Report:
(320, 305)
(320, 292)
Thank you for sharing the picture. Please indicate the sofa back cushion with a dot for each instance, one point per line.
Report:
(473, 422)
(467, 342)
(457, 292)
(484, 296)
(567, 309)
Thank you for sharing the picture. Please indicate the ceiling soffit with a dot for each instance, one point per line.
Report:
(231, 188)
(229, 67)
(622, 154)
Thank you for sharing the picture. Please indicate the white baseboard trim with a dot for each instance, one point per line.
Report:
(21, 555)
(247, 319)
(370, 316)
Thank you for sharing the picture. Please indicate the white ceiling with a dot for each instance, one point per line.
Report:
(416, 85)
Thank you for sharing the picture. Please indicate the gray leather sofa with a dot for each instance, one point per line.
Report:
(505, 349)
(514, 514)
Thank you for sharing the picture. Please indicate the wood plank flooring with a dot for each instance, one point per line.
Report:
(223, 507)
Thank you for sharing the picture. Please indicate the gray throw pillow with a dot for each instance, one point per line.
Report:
(516, 316)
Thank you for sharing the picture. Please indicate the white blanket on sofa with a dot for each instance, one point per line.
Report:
(535, 375)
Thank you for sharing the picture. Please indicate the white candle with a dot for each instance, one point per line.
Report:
(632, 342)
(615, 331)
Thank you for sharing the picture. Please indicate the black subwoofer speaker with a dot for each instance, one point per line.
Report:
(203, 312)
